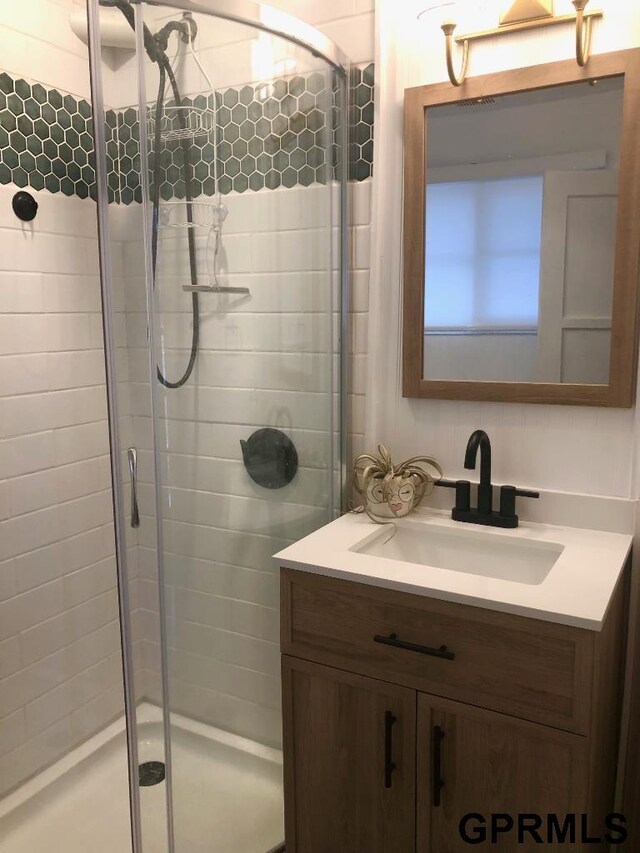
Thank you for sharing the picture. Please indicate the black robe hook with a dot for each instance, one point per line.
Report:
(24, 206)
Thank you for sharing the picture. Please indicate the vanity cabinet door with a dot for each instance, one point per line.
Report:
(349, 762)
(477, 762)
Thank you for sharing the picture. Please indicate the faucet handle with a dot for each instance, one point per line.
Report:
(463, 492)
(526, 493)
(508, 495)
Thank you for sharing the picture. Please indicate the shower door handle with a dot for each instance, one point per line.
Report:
(132, 459)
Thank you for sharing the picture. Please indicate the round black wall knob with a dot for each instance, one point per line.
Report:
(24, 206)
(270, 458)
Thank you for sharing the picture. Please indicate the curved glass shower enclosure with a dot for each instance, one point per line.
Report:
(220, 152)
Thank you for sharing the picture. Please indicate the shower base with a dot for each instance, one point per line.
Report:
(227, 794)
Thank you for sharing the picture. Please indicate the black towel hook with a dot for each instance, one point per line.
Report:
(24, 206)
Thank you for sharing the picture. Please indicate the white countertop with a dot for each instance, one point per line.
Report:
(576, 591)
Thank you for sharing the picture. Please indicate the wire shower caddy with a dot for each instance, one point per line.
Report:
(185, 122)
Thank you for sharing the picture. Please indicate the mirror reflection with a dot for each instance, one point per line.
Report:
(521, 204)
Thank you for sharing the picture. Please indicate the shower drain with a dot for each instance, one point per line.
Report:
(151, 773)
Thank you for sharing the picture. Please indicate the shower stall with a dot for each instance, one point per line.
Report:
(220, 134)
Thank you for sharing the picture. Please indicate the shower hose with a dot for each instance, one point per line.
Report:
(156, 46)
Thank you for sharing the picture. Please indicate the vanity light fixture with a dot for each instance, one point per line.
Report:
(446, 12)
(521, 15)
(584, 31)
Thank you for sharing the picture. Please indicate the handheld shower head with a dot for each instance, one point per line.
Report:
(156, 47)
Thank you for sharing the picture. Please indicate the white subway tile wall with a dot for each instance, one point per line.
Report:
(38, 44)
(360, 242)
(60, 668)
(350, 23)
(264, 361)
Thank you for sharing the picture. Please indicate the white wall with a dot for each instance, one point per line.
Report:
(360, 235)
(60, 671)
(60, 668)
(569, 449)
(574, 121)
(37, 43)
(235, 55)
(262, 362)
(498, 357)
(349, 23)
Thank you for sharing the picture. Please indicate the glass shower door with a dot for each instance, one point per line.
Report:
(245, 262)
(227, 145)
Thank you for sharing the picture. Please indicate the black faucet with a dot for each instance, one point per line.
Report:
(480, 440)
(484, 512)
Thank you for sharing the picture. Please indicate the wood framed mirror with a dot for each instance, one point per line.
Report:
(522, 235)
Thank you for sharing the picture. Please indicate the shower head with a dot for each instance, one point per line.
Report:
(156, 47)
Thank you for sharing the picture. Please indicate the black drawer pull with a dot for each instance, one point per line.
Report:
(389, 766)
(392, 640)
(438, 783)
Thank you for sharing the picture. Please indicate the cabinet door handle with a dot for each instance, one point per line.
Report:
(389, 766)
(392, 640)
(438, 783)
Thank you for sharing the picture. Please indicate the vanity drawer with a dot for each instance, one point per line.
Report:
(535, 670)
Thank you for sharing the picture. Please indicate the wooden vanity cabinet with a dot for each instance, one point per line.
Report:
(353, 745)
(491, 764)
(387, 748)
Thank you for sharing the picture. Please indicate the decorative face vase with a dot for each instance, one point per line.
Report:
(392, 497)
(391, 491)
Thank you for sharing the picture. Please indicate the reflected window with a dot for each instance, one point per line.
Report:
(483, 254)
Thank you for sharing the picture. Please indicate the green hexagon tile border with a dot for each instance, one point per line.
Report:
(268, 138)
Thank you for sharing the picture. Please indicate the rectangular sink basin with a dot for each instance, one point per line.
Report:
(485, 554)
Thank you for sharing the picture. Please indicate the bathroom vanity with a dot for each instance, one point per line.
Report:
(444, 671)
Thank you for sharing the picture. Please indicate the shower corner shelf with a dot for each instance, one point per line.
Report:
(185, 122)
